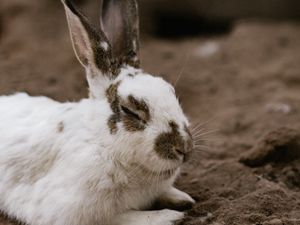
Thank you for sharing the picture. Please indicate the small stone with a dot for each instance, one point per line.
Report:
(274, 222)
(207, 50)
(278, 108)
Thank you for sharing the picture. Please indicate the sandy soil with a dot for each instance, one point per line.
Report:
(243, 86)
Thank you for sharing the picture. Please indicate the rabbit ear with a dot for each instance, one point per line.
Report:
(91, 46)
(120, 22)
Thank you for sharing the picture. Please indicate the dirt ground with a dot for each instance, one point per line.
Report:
(244, 86)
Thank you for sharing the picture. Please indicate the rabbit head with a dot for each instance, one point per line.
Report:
(147, 122)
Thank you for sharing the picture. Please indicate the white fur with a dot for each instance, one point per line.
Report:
(177, 195)
(57, 159)
(104, 45)
(60, 164)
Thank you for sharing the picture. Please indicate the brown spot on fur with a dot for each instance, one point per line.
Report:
(115, 67)
(60, 127)
(132, 124)
(112, 123)
(114, 101)
(10, 219)
(113, 98)
(131, 59)
(140, 105)
(167, 143)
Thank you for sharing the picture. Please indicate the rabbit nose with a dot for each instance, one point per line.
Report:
(184, 152)
(181, 152)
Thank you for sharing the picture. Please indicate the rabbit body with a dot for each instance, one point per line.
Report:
(58, 168)
(105, 158)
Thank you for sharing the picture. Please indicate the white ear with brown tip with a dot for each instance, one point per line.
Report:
(91, 46)
(92, 49)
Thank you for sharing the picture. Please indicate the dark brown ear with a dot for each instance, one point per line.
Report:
(91, 46)
(120, 22)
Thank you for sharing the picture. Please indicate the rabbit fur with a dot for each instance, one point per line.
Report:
(104, 159)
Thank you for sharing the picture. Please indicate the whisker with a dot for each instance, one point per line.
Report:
(198, 129)
(200, 144)
(206, 133)
(202, 124)
(196, 134)
(201, 148)
(182, 69)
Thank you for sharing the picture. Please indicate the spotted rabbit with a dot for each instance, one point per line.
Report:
(105, 159)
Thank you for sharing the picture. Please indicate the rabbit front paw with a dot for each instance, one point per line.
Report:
(174, 199)
(159, 217)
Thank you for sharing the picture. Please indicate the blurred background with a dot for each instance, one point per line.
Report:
(235, 65)
(177, 18)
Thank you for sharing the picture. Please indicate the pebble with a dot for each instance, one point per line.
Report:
(273, 222)
(278, 108)
(208, 49)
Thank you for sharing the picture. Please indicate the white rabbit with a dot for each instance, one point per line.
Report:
(106, 158)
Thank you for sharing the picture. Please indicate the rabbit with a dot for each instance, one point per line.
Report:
(106, 159)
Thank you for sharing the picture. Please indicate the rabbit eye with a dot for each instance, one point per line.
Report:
(130, 113)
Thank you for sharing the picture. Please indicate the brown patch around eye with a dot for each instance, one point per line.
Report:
(136, 122)
(114, 100)
(132, 124)
(167, 142)
(140, 105)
